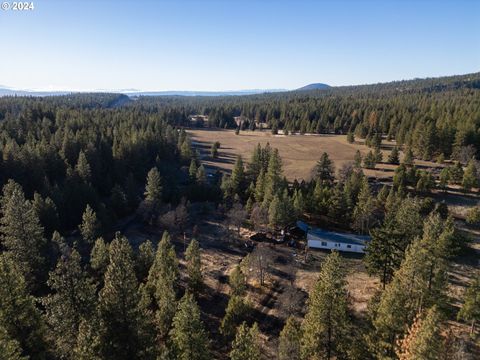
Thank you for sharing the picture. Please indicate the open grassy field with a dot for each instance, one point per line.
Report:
(299, 152)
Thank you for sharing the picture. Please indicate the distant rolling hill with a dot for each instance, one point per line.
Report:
(315, 86)
(7, 91)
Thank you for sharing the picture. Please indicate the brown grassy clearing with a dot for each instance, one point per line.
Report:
(299, 152)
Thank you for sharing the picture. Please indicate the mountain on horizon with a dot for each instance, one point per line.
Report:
(7, 91)
(314, 86)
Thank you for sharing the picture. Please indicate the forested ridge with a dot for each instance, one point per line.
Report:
(72, 168)
(441, 114)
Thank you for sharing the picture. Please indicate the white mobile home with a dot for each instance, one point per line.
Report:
(322, 239)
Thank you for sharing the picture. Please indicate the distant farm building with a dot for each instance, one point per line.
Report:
(198, 120)
(323, 239)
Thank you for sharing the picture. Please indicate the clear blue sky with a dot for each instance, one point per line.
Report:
(231, 45)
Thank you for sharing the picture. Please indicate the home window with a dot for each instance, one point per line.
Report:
(349, 246)
(324, 243)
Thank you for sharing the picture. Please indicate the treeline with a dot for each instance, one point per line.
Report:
(432, 116)
(65, 158)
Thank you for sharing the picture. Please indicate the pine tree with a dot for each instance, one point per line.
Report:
(237, 281)
(470, 310)
(408, 159)
(121, 315)
(456, 173)
(326, 322)
(22, 328)
(378, 155)
(289, 340)
(192, 170)
(246, 345)
(363, 213)
(188, 335)
(73, 298)
(90, 227)
(22, 235)
(238, 176)
(384, 252)
(470, 176)
(46, 211)
(338, 209)
(194, 267)
(260, 187)
(255, 164)
(201, 175)
(275, 212)
(83, 168)
(144, 259)
(423, 340)
(9, 348)
(88, 343)
(350, 137)
(473, 215)
(444, 178)
(237, 310)
(99, 257)
(153, 189)
(426, 182)
(160, 288)
(369, 160)
(324, 169)
(358, 159)
(299, 203)
(393, 158)
(419, 283)
(273, 177)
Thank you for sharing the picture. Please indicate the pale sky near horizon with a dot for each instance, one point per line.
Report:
(215, 45)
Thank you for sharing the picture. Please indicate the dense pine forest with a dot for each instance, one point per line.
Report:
(77, 170)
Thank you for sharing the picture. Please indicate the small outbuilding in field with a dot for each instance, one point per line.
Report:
(323, 239)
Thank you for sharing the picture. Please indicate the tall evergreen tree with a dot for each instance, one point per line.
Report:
(99, 257)
(160, 288)
(23, 330)
(144, 259)
(273, 177)
(324, 169)
(363, 214)
(153, 189)
(326, 322)
(83, 168)
(470, 176)
(393, 157)
(423, 340)
(237, 281)
(73, 299)
(238, 176)
(237, 310)
(188, 335)
(470, 310)
(384, 252)
(246, 345)
(90, 227)
(194, 266)
(419, 283)
(88, 344)
(10, 348)
(122, 318)
(289, 340)
(22, 235)
(260, 187)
